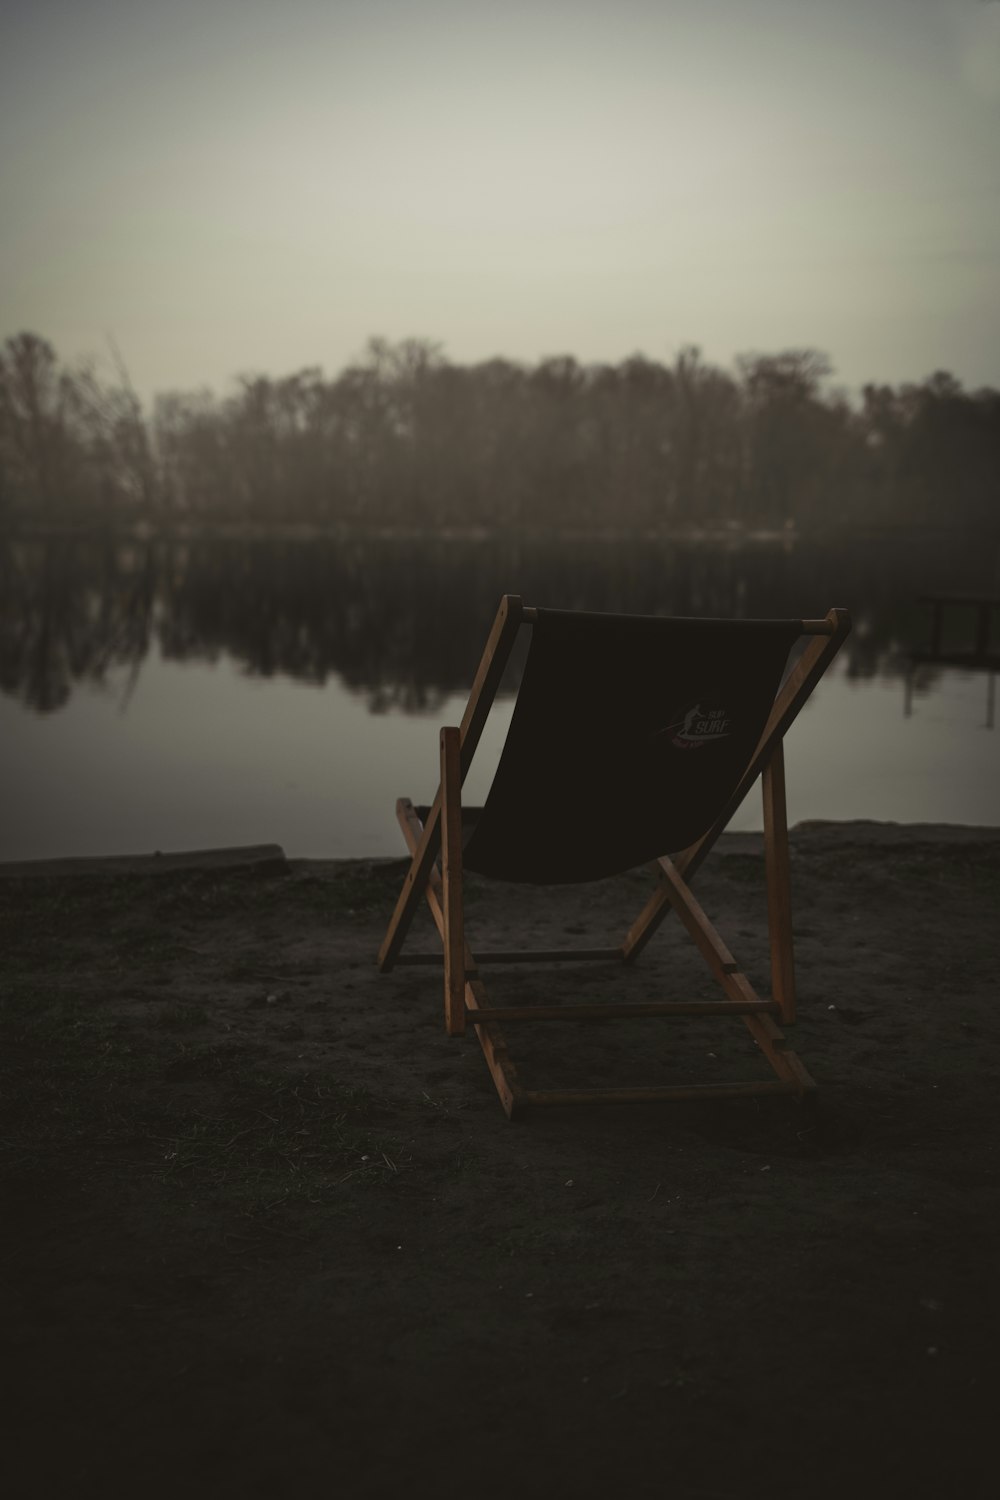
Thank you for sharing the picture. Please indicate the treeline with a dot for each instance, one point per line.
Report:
(405, 437)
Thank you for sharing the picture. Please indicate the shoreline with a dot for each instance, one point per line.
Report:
(814, 834)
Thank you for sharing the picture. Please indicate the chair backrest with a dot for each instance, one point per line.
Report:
(628, 736)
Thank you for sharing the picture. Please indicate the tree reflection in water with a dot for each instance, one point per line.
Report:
(401, 621)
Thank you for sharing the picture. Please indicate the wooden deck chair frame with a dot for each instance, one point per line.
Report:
(435, 874)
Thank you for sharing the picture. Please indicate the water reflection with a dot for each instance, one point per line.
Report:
(961, 635)
(400, 621)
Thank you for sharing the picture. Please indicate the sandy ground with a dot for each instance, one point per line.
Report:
(268, 1232)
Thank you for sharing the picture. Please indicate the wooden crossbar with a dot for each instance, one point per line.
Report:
(548, 956)
(529, 616)
(490, 1015)
(659, 1095)
(523, 956)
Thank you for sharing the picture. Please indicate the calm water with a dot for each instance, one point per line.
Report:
(189, 695)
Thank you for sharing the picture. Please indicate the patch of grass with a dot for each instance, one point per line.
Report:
(983, 872)
(144, 942)
(49, 924)
(272, 1137)
(442, 1108)
(175, 1017)
(347, 892)
(542, 1242)
(972, 867)
(86, 1091)
(464, 1164)
(742, 869)
(207, 895)
(208, 1062)
(252, 967)
(34, 1014)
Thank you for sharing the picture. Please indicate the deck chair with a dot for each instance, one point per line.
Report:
(633, 740)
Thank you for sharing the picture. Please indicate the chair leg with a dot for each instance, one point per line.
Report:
(484, 689)
(779, 903)
(793, 694)
(451, 875)
(502, 1070)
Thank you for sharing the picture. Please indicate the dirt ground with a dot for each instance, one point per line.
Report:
(267, 1231)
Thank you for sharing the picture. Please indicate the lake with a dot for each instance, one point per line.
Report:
(205, 691)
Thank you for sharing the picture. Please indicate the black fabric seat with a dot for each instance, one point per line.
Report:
(628, 735)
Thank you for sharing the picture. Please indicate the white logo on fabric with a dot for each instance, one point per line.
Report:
(699, 726)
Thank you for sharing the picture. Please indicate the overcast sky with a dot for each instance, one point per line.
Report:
(232, 185)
